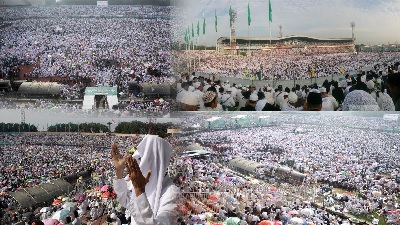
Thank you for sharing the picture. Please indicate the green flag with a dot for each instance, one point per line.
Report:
(192, 30)
(216, 21)
(230, 16)
(270, 11)
(204, 26)
(248, 14)
(198, 28)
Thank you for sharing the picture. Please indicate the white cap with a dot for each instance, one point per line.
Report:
(292, 97)
(196, 85)
(190, 98)
(253, 97)
(370, 84)
(315, 91)
(113, 216)
(322, 89)
(228, 89)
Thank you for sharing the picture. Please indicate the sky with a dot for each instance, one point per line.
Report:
(376, 21)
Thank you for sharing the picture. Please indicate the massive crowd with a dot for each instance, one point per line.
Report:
(109, 50)
(370, 90)
(33, 159)
(132, 108)
(284, 64)
(349, 153)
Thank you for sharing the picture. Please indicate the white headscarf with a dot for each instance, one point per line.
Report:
(155, 154)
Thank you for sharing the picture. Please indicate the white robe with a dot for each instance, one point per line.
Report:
(157, 205)
(142, 213)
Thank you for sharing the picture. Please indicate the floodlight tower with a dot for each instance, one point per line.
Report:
(150, 124)
(353, 25)
(22, 116)
(233, 31)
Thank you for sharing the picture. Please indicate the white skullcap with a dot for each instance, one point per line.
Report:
(322, 89)
(370, 84)
(253, 97)
(190, 98)
(292, 97)
(315, 91)
(196, 85)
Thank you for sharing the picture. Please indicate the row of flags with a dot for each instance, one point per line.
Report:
(189, 35)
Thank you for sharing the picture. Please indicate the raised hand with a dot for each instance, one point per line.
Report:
(118, 161)
(138, 180)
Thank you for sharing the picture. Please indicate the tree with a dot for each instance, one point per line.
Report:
(137, 127)
(83, 127)
(17, 127)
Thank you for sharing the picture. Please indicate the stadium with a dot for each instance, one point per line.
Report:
(290, 42)
(293, 163)
(120, 71)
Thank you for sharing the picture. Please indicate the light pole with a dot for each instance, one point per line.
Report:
(109, 126)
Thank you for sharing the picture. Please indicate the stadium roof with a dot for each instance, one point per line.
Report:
(265, 40)
(213, 119)
(245, 164)
(40, 88)
(239, 116)
(101, 91)
(29, 197)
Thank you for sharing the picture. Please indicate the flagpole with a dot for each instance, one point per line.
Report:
(270, 34)
(248, 25)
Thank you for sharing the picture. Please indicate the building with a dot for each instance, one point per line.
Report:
(289, 42)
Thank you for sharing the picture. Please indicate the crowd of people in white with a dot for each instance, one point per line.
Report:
(285, 64)
(159, 107)
(97, 44)
(370, 90)
(352, 153)
(34, 159)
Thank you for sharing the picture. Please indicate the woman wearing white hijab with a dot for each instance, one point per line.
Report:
(151, 196)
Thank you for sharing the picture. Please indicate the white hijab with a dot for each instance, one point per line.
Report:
(155, 155)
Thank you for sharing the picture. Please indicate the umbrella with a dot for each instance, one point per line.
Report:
(277, 222)
(106, 194)
(213, 197)
(293, 212)
(80, 197)
(50, 222)
(45, 209)
(70, 206)
(266, 222)
(104, 188)
(56, 202)
(232, 221)
(62, 214)
(296, 220)
(97, 189)
(268, 196)
(231, 199)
